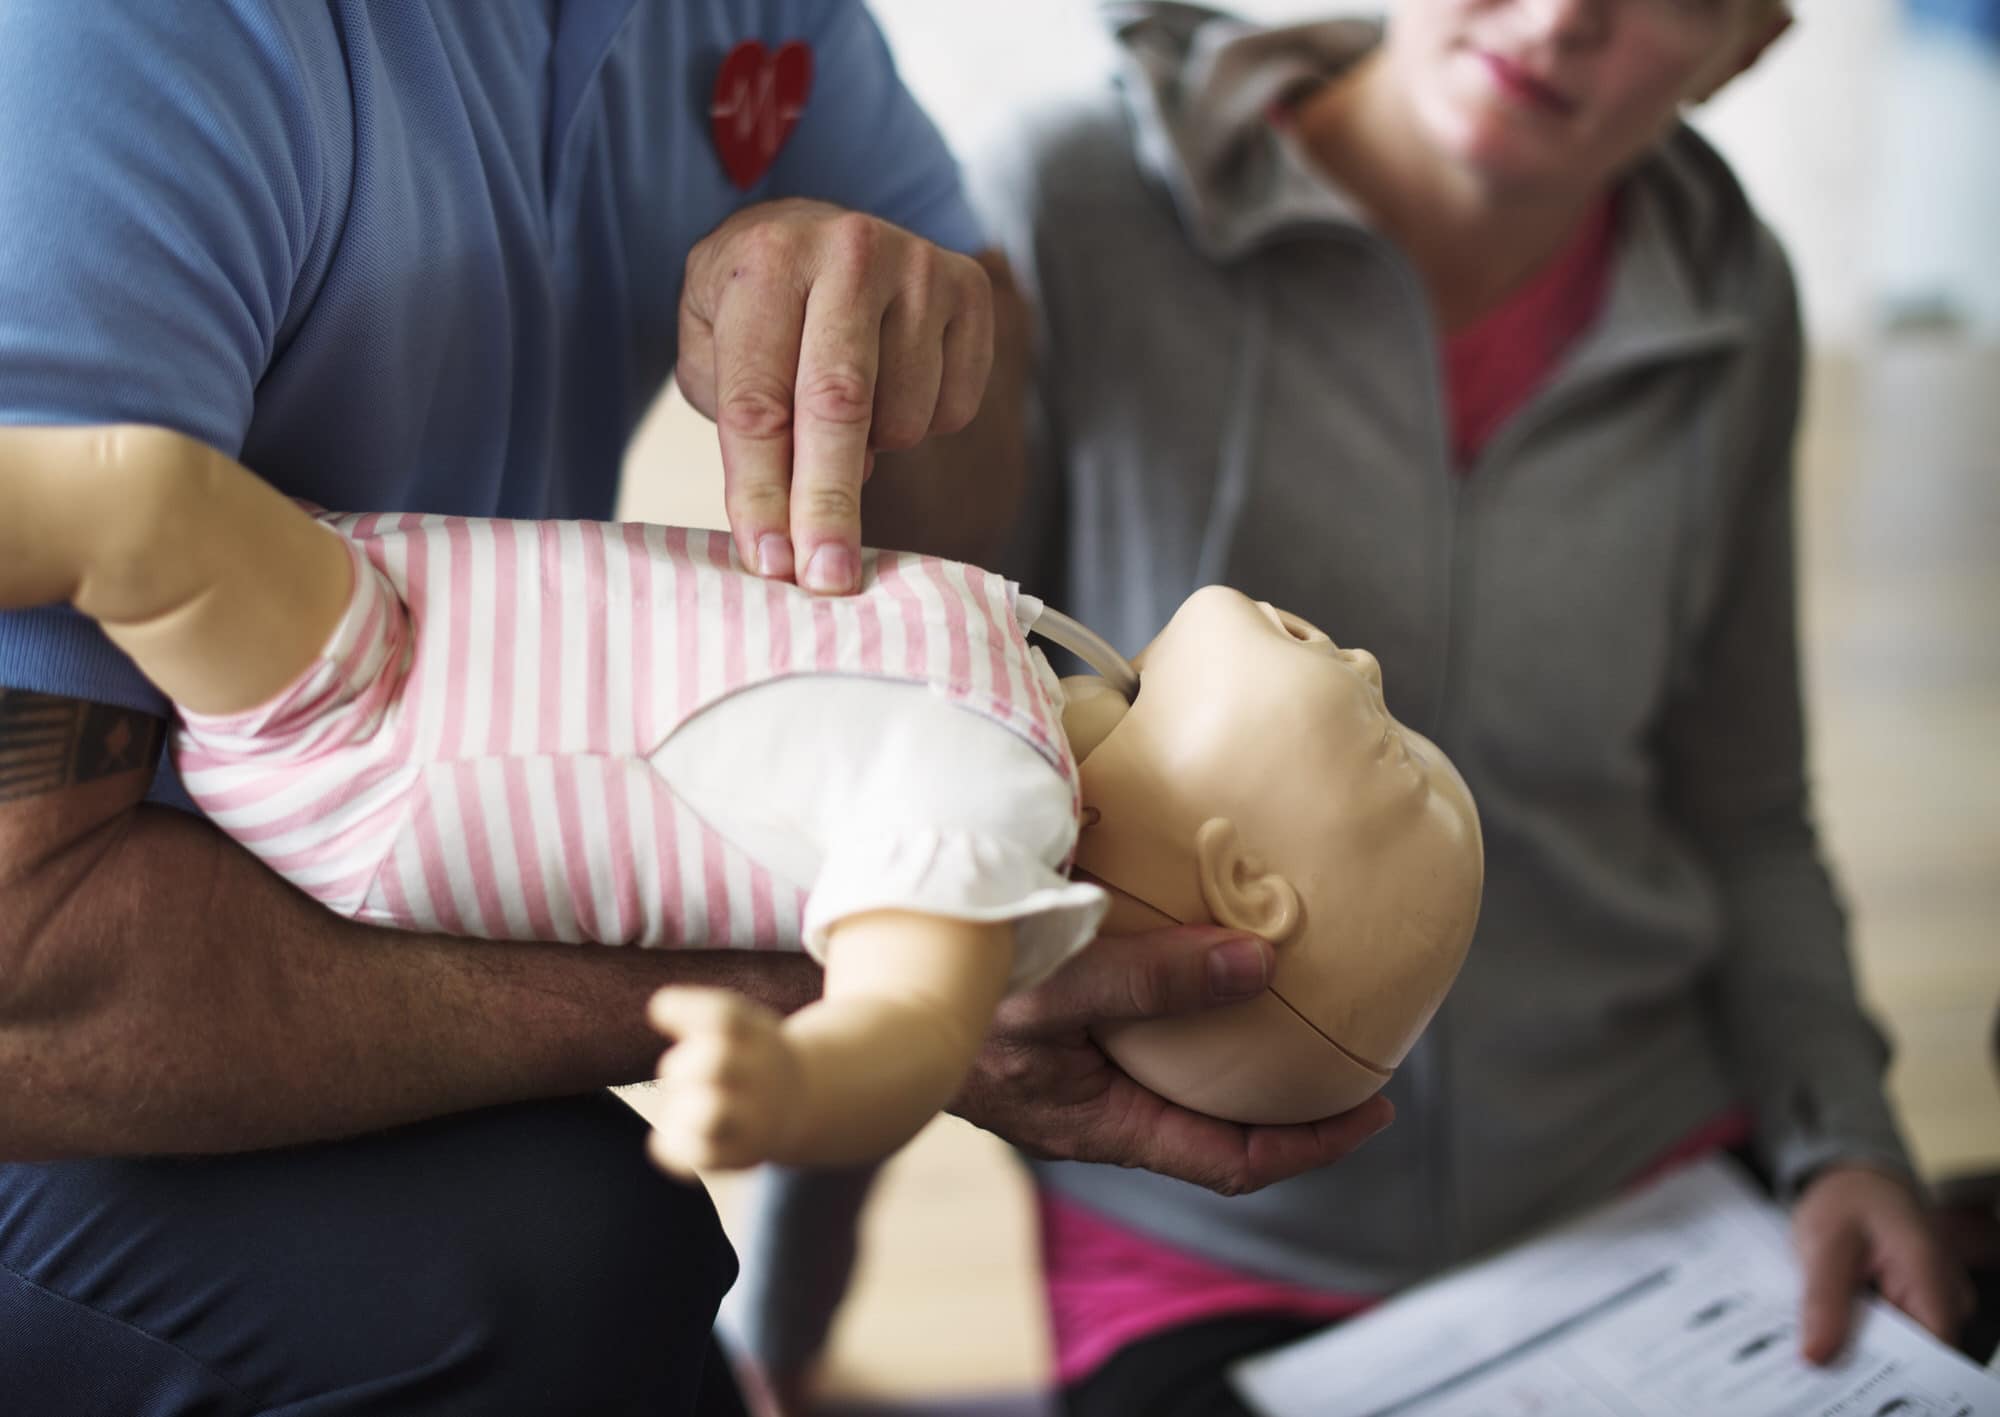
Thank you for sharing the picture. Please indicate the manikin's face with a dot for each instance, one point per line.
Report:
(1259, 782)
(1553, 93)
(1250, 713)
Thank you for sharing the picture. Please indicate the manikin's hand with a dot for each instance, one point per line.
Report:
(729, 1085)
(1855, 1226)
(1045, 1086)
(813, 336)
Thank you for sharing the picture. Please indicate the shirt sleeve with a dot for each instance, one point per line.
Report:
(343, 698)
(1811, 1060)
(980, 876)
(310, 781)
(156, 202)
(937, 810)
(864, 142)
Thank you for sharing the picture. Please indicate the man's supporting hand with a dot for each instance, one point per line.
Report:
(1043, 1084)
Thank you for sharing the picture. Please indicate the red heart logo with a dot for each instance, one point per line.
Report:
(758, 99)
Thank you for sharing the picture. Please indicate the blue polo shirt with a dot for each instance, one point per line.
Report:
(393, 254)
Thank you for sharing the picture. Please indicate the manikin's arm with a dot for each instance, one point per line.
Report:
(849, 1079)
(220, 589)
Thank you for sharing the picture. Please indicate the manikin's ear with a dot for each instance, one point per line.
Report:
(1239, 892)
(1091, 709)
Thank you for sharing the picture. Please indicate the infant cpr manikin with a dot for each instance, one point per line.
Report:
(1258, 781)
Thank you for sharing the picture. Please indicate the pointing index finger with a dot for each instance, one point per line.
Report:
(757, 335)
(839, 362)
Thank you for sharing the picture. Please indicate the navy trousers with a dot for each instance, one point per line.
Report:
(522, 1260)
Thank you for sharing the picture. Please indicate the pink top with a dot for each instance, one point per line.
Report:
(472, 751)
(1108, 1286)
(1493, 366)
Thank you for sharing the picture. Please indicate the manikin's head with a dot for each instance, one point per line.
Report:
(1258, 782)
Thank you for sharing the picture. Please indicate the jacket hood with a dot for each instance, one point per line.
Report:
(1198, 85)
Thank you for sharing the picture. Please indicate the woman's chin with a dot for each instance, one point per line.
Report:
(1502, 152)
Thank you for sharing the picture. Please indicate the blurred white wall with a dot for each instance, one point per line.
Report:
(1801, 128)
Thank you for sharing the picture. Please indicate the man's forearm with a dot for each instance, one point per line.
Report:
(958, 495)
(164, 993)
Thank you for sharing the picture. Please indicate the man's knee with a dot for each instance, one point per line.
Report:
(582, 1264)
(525, 1259)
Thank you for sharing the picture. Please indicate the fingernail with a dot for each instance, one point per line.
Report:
(1237, 969)
(832, 569)
(774, 556)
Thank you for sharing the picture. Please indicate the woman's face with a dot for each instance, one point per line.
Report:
(1535, 94)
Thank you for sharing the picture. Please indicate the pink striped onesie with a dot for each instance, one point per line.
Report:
(478, 748)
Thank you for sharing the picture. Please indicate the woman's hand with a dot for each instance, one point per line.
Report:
(1854, 1225)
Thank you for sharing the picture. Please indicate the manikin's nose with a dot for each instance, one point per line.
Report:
(1304, 631)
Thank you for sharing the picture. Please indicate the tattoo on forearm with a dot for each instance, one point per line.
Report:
(48, 743)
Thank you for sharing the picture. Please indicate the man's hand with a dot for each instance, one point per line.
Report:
(814, 336)
(1045, 1086)
(1853, 1225)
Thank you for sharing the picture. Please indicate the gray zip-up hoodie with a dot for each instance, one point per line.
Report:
(1241, 383)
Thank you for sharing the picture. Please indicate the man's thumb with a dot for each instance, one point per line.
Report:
(1172, 971)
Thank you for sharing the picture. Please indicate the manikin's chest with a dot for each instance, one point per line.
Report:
(605, 639)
